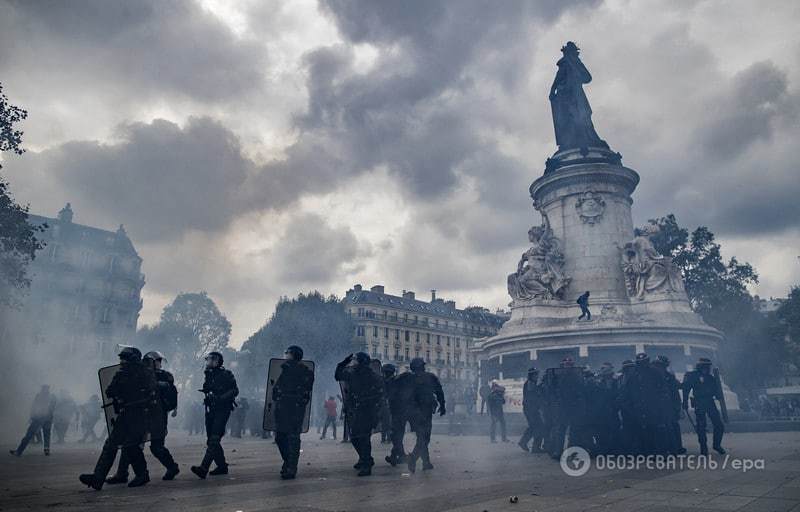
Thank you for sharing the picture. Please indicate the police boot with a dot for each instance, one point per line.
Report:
(89, 480)
(703, 449)
(219, 470)
(119, 478)
(171, 473)
(140, 479)
(411, 459)
(200, 471)
(718, 443)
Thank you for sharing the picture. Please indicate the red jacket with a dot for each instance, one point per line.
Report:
(330, 408)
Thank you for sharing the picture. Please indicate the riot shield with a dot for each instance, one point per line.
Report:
(273, 373)
(376, 366)
(106, 375)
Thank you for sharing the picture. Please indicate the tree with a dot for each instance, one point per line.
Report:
(787, 319)
(197, 315)
(18, 240)
(717, 290)
(319, 325)
(10, 137)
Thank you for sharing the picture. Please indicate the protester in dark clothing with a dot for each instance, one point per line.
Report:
(90, 415)
(363, 399)
(41, 420)
(583, 302)
(291, 394)
(66, 409)
(220, 392)
(388, 372)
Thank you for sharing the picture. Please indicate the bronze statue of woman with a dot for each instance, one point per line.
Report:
(572, 115)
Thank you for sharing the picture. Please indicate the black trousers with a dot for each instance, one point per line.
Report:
(216, 424)
(398, 433)
(43, 425)
(363, 447)
(497, 419)
(129, 433)
(585, 312)
(534, 431)
(422, 427)
(289, 447)
(329, 420)
(711, 411)
(158, 450)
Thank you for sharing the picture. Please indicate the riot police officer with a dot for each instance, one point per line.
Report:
(135, 394)
(644, 393)
(606, 390)
(704, 388)
(364, 395)
(388, 371)
(220, 390)
(672, 403)
(532, 403)
(168, 397)
(291, 394)
(426, 393)
(567, 389)
(398, 396)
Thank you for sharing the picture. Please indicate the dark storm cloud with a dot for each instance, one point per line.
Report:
(159, 179)
(145, 46)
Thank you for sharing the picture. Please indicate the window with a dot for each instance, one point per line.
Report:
(436, 324)
(416, 319)
(448, 341)
(375, 331)
(458, 342)
(438, 339)
(360, 330)
(405, 318)
(386, 332)
(397, 334)
(406, 353)
(394, 316)
(428, 355)
(417, 337)
(385, 314)
(448, 358)
(407, 336)
(427, 337)
(416, 352)
(360, 312)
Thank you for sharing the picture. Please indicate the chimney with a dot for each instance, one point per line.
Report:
(451, 303)
(357, 287)
(433, 295)
(408, 295)
(378, 288)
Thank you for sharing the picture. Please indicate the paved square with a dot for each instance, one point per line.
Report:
(470, 475)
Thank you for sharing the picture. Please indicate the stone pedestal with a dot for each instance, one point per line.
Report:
(585, 196)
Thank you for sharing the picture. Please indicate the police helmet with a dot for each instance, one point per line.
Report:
(155, 355)
(641, 357)
(388, 369)
(567, 362)
(130, 354)
(296, 352)
(215, 355)
(362, 358)
(662, 360)
(417, 364)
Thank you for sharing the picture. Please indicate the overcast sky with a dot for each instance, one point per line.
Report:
(258, 149)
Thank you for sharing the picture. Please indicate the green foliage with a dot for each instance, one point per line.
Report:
(10, 137)
(318, 324)
(787, 327)
(717, 289)
(196, 313)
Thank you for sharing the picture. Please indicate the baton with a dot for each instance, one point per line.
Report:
(689, 417)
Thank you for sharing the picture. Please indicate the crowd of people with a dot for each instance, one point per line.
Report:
(635, 411)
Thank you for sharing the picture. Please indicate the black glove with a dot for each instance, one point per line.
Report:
(442, 410)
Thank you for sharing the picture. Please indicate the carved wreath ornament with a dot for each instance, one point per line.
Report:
(590, 207)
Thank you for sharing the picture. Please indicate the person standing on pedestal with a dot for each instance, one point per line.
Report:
(583, 302)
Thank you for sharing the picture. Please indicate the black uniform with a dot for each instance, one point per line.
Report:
(704, 388)
(607, 422)
(364, 395)
(672, 404)
(220, 390)
(568, 405)
(135, 394)
(291, 394)
(532, 404)
(399, 391)
(426, 392)
(65, 410)
(583, 303)
(645, 394)
(157, 426)
(41, 420)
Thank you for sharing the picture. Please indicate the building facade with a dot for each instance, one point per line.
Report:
(86, 285)
(396, 329)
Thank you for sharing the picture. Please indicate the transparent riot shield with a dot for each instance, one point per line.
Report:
(106, 375)
(273, 373)
(376, 366)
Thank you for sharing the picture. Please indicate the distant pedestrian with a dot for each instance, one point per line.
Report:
(583, 302)
(494, 403)
(330, 417)
(41, 420)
